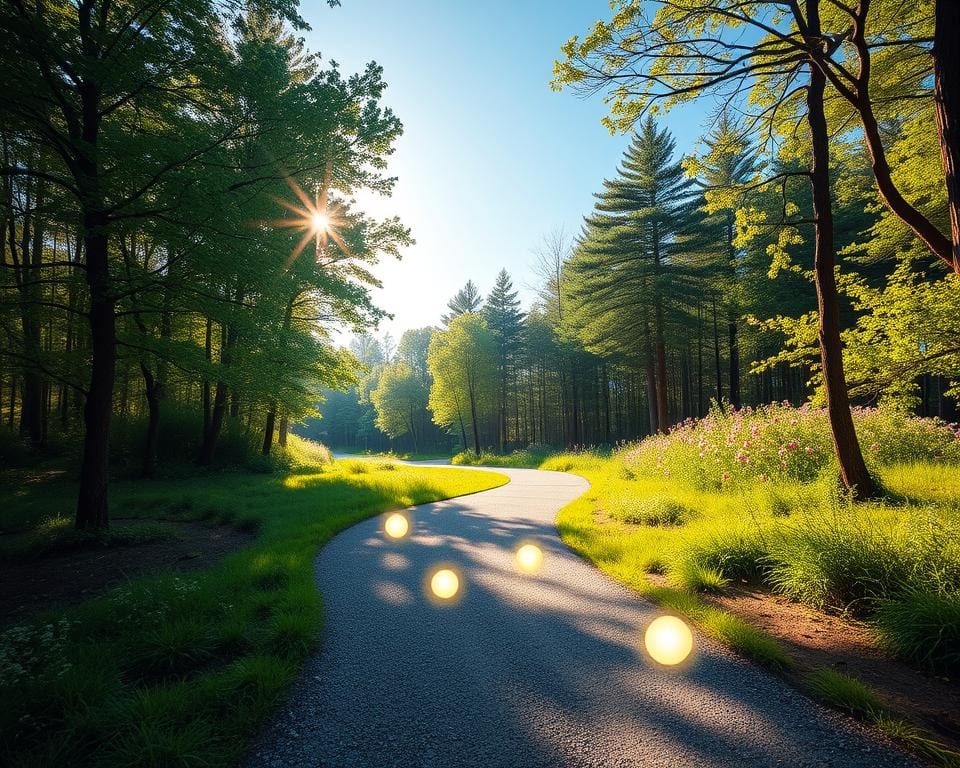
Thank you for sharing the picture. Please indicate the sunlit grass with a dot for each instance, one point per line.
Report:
(182, 669)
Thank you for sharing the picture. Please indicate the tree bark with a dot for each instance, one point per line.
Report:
(92, 503)
(268, 430)
(152, 392)
(853, 470)
(946, 94)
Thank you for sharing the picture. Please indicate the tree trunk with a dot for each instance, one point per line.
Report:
(152, 391)
(92, 510)
(946, 94)
(268, 430)
(473, 418)
(734, 362)
(208, 352)
(651, 381)
(853, 470)
(716, 355)
(282, 436)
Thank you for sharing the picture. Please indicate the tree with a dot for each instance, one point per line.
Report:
(462, 361)
(728, 165)
(664, 60)
(400, 399)
(467, 299)
(625, 272)
(503, 316)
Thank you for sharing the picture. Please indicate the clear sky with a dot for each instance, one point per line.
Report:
(491, 159)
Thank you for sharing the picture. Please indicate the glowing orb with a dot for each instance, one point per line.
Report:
(396, 526)
(529, 558)
(319, 222)
(668, 640)
(445, 584)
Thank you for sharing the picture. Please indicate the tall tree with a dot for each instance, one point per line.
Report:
(503, 315)
(462, 361)
(625, 273)
(664, 59)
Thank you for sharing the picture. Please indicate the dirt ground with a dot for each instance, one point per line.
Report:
(64, 578)
(816, 639)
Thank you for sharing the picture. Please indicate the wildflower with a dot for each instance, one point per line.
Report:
(808, 450)
(763, 478)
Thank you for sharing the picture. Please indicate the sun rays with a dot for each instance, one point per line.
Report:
(320, 219)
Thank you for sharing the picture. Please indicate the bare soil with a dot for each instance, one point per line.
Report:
(61, 578)
(816, 639)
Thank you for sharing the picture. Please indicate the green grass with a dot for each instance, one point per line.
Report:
(180, 670)
(844, 692)
(686, 506)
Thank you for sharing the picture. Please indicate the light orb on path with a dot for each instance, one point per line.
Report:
(668, 640)
(396, 526)
(445, 583)
(529, 558)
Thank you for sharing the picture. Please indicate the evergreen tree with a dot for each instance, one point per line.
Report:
(503, 315)
(467, 299)
(627, 271)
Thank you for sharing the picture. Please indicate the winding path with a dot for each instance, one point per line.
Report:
(537, 670)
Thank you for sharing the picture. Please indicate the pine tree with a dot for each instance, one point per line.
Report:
(467, 299)
(628, 268)
(505, 320)
(728, 164)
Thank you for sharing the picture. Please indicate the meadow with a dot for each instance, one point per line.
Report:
(751, 497)
(182, 668)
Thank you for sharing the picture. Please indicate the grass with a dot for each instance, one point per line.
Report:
(752, 496)
(180, 670)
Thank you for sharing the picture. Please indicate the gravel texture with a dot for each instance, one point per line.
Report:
(542, 670)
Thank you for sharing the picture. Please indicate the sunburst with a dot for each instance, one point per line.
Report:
(320, 220)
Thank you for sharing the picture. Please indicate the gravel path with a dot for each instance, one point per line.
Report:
(524, 670)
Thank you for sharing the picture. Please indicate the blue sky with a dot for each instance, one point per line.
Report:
(491, 159)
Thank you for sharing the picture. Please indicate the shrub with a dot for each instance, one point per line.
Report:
(647, 510)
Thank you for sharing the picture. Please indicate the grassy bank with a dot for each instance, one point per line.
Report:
(751, 497)
(178, 670)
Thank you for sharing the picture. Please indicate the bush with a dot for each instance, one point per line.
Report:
(647, 510)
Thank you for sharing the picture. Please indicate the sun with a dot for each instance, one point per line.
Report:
(319, 219)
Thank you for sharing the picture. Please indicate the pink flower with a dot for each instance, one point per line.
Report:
(792, 445)
(725, 476)
(808, 450)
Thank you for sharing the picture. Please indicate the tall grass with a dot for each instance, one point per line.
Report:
(753, 495)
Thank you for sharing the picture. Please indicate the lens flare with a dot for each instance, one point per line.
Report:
(320, 222)
(445, 584)
(668, 640)
(396, 526)
(529, 558)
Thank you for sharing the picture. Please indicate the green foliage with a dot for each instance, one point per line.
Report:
(184, 669)
(462, 360)
(399, 398)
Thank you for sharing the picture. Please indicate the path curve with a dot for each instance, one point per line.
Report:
(525, 670)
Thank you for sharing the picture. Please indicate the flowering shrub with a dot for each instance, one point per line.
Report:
(781, 442)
